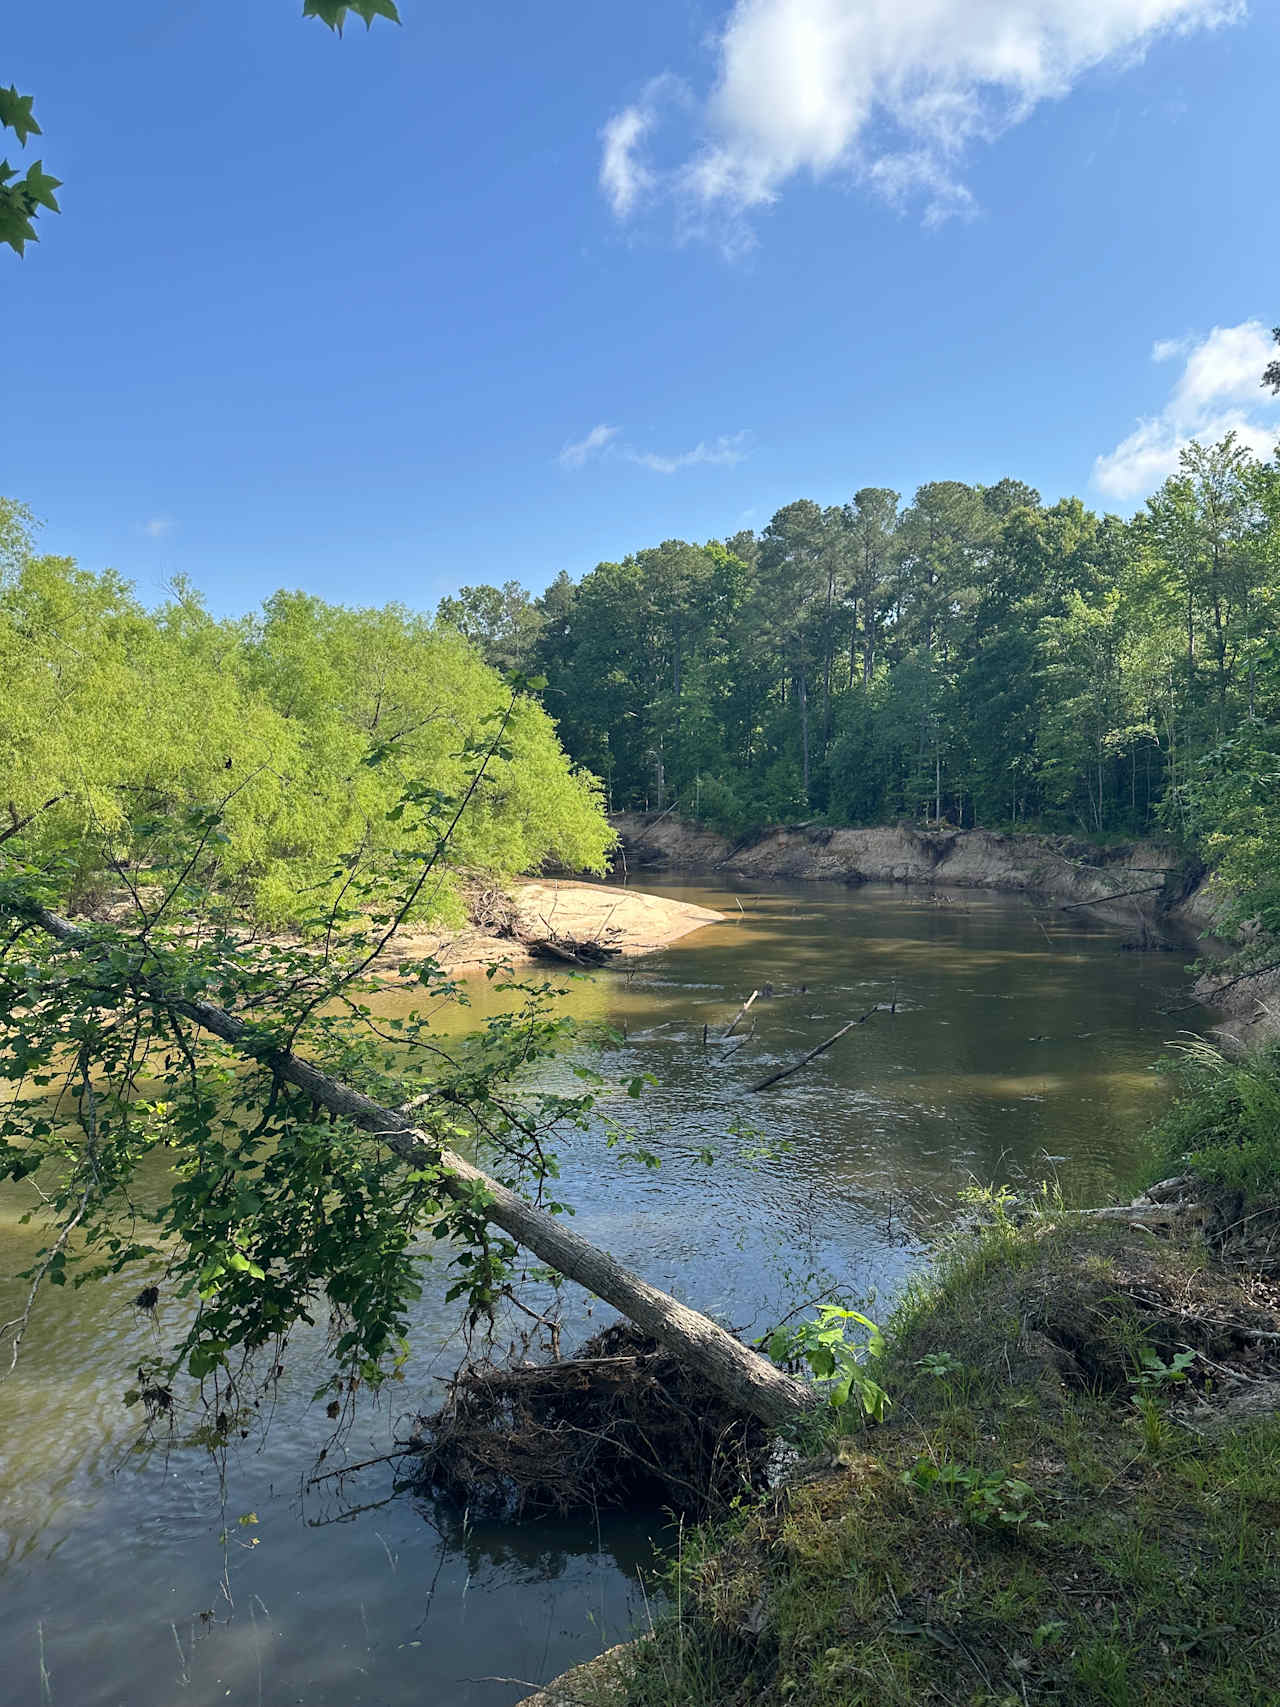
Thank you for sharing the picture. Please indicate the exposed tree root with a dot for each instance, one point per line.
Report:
(621, 1424)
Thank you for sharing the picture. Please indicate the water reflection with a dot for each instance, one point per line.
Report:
(1019, 1036)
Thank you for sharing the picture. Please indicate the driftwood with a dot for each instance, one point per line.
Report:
(744, 1039)
(786, 1072)
(576, 951)
(741, 1013)
(748, 1381)
(1106, 900)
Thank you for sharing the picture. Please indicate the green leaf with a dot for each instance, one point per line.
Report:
(38, 187)
(334, 12)
(15, 114)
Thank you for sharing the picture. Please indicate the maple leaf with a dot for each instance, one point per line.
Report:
(15, 114)
(334, 12)
(20, 201)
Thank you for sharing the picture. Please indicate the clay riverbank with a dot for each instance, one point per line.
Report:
(1145, 884)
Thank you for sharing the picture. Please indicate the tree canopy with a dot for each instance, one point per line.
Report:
(312, 720)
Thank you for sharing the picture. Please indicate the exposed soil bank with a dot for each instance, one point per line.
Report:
(629, 920)
(1059, 868)
(1142, 884)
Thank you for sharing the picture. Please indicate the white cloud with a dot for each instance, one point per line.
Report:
(597, 440)
(1165, 349)
(724, 452)
(889, 92)
(159, 527)
(1218, 391)
(622, 177)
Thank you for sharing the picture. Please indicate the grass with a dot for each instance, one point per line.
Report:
(1225, 1125)
(1046, 1515)
(1031, 1524)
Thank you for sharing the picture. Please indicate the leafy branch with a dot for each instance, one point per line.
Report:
(22, 198)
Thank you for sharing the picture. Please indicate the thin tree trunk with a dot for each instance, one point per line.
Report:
(804, 731)
(828, 647)
(746, 1379)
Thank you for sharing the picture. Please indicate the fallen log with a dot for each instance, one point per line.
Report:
(742, 1376)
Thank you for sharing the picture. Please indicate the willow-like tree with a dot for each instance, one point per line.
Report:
(232, 1123)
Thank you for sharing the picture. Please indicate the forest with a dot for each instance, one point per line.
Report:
(972, 657)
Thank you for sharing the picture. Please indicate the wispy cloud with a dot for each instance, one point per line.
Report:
(159, 527)
(582, 450)
(625, 178)
(890, 93)
(1219, 390)
(724, 452)
(721, 452)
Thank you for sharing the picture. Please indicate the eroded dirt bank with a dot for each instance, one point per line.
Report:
(1142, 884)
(1058, 868)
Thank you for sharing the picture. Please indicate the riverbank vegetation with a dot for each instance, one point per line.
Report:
(1036, 1497)
(315, 732)
(1075, 1492)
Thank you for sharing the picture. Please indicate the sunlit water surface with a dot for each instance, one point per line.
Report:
(1023, 1044)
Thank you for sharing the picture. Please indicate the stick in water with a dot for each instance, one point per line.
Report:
(785, 1072)
(741, 1013)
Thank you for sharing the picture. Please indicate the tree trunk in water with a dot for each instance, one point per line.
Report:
(745, 1378)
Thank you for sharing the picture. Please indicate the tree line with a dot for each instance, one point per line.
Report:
(973, 657)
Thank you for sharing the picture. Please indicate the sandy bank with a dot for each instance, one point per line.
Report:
(628, 919)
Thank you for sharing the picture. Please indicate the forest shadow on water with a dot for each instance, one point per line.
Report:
(1023, 1044)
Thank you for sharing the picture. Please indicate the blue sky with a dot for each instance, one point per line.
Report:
(335, 314)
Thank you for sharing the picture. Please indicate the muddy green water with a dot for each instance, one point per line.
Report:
(1018, 1039)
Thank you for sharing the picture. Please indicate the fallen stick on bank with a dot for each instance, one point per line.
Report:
(785, 1072)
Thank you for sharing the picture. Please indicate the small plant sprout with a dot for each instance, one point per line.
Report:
(1150, 1386)
(983, 1498)
(823, 1344)
(1154, 1373)
(940, 1364)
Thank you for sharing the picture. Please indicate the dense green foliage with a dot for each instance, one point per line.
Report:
(152, 1148)
(1224, 1126)
(303, 726)
(975, 657)
(21, 198)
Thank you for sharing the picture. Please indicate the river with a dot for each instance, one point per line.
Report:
(1023, 1045)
